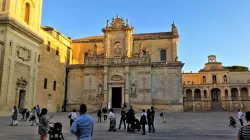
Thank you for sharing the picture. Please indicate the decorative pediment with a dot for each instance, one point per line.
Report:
(23, 53)
(116, 78)
(22, 83)
(117, 23)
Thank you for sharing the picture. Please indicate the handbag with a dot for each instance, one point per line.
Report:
(69, 116)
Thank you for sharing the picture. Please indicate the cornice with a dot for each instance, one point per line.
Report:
(5, 19)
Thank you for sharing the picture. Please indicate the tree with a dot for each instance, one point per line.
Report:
(236, 68)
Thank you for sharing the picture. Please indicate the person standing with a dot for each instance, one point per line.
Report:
(27, 114)
(34, 117)
(99, 115)
(129, 118)
(149, 118)
(43, 126)
(14, 116)
(240, 116)
(143, 121)
(243, 133)
(105, 115)
(72, 116)
(83, 126)
(163, 115)
(153, 118)
(38, 110)
(123, 116)
(112, 125)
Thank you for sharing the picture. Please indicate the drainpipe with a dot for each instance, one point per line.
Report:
(66, 91)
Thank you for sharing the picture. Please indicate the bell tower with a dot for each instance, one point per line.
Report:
(25, 12)
(118, 38)
(211, 58)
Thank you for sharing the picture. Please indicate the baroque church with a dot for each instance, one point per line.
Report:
(41, 66)
(124, 68)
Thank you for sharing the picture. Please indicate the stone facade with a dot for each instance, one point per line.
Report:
(25, 61)
(216, 87)
(122, 67)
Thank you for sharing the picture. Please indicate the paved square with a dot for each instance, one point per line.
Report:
(178, 126)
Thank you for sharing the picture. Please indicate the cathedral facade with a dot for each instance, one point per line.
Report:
(124, 68)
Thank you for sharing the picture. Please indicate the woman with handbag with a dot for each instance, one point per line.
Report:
(43, 127)
(34, 117)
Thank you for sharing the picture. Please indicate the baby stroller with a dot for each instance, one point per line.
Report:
(112, 125)
(55, 131)
(232, 122)
(137, 125)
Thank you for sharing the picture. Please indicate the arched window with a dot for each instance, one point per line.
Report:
(204, 79)
(225, 78)
(27, 13)
(163, 55)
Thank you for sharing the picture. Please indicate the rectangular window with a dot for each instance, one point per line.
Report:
(214, 79)
(48, 47)
(38, 58)
(45, 83)
(54, 86)
(57, 52)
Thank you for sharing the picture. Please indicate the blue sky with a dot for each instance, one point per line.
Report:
(218, 27)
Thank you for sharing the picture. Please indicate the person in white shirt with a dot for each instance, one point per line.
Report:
(112, 126)
(240, 116)
(72, 116)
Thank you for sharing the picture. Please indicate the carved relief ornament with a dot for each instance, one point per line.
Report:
(22, 83)
(116, 78)
(23, 53)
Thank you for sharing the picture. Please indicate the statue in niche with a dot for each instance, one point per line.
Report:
(117, 49)
(133, 91)
(99, 90)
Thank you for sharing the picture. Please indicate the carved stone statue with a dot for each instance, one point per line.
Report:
(89, 52)
(100, 89)
(117, 49)
(133, 90)
(107, 24)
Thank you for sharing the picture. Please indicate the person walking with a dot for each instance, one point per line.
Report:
(14, 116)
(143, 121)
(72, 116)
(244, 132)
(43, 126)
(83, 126)
(38, 110)
(240, 116)
(34, 117)
(105, 115)
(122, 120)
(27, 114)
(153, 118)
(112, 124)
(99, 115)
(163, 115)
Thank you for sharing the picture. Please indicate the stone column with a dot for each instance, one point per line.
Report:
(123, 96)
(110, 97)
(230, 100)
(239, 98)
(126, 91)
(202, 100)
(105, 86)
(222, 98)
(193, 100)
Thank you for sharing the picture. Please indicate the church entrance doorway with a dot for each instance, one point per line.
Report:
(116, 97)
(21, 99)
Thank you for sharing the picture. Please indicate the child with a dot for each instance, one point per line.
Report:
(163, 114)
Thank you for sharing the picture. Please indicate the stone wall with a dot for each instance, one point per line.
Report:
(239, 77)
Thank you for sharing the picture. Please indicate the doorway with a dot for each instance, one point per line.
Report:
(216, 99)
(21, 99)
(116, 97)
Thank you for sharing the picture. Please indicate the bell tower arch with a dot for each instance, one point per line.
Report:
(118, 38)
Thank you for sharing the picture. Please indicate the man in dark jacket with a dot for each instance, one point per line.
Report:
(123, 115)
(153, 118)
(143, 121)
(130, 115)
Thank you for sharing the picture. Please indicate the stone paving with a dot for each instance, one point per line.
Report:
(178, 126)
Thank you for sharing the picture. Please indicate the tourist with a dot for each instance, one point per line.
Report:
(27, 114)
(163, 115)
(34, 117)
(38, 110)
(83, 126)
(143, 121)
(43, 126)
(105, 116)
(112, 125)
(129, 118)
(240, 116)
(14, 116)
(149, 118)
(99, 115)
(243, 133)
(153, 118)
(23, 114)
(72, 116)
(122, 120)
